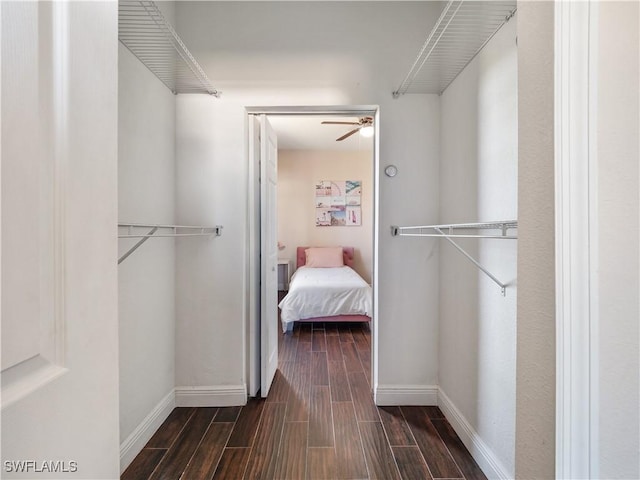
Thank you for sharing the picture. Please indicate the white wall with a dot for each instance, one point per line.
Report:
(146, 279)
(478, 182)
(535, 367)
(298, 172)
(67, 73)
(618, 425)
(212, 188)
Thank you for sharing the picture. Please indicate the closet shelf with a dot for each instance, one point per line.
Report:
(462, 30)
(150, 37)
(133, 230)
(465, 230)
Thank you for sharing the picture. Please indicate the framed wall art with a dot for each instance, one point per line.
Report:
(338, 203)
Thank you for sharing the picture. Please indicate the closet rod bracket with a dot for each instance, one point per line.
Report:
(163, 231)
(139, 243)
(448, 232)
(503, 287)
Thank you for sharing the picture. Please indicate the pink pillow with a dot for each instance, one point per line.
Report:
(324, 257)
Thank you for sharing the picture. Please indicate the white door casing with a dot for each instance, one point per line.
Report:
(576, 240)
(268, 254)
(254, 336)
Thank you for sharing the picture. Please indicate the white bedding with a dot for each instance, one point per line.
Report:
(324, 292)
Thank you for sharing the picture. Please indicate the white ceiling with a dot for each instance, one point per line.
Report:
(306, 132)
(349, 52)
(356, 45)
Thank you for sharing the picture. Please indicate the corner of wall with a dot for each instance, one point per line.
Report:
(535, 450)
(480, 451)
(136, 441)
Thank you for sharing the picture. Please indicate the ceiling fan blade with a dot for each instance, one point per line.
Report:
(340, 123)
(347, 135)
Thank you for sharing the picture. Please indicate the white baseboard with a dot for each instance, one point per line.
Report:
(214, 396)
(392, 395)
(479, 450)
(136, 441)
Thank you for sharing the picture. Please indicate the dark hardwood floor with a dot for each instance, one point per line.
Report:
(318, 422)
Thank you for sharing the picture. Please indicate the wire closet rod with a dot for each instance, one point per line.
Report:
(434, 230)
(152, 39)
(446, 231)
(151, 229)
(462, 30)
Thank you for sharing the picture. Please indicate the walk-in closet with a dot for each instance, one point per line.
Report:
(491, 226)
(448, 127)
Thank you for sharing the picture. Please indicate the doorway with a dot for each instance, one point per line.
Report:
(258, 362)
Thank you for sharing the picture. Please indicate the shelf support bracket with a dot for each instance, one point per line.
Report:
(503, 287)
(137, 245)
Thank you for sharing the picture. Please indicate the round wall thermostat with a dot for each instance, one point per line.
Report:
(391, 171)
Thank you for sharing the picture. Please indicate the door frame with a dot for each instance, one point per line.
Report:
(251, 330)
(576, 170)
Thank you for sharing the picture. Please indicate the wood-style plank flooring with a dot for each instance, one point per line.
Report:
(318, 422)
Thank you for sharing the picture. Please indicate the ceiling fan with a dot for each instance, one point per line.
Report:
(364, 125)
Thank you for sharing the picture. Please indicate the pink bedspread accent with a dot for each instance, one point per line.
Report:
(339, 318)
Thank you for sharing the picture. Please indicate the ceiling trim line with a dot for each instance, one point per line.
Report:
(329, 110)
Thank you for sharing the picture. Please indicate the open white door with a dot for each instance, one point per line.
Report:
(59, 380)
(253, 247)
(268, 254)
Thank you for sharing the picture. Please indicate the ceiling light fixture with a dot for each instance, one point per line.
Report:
(364, 125)
(367, 131)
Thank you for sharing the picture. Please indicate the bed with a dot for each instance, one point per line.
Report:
(333, 293)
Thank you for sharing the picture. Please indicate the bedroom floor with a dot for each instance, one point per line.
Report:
(318, 422)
